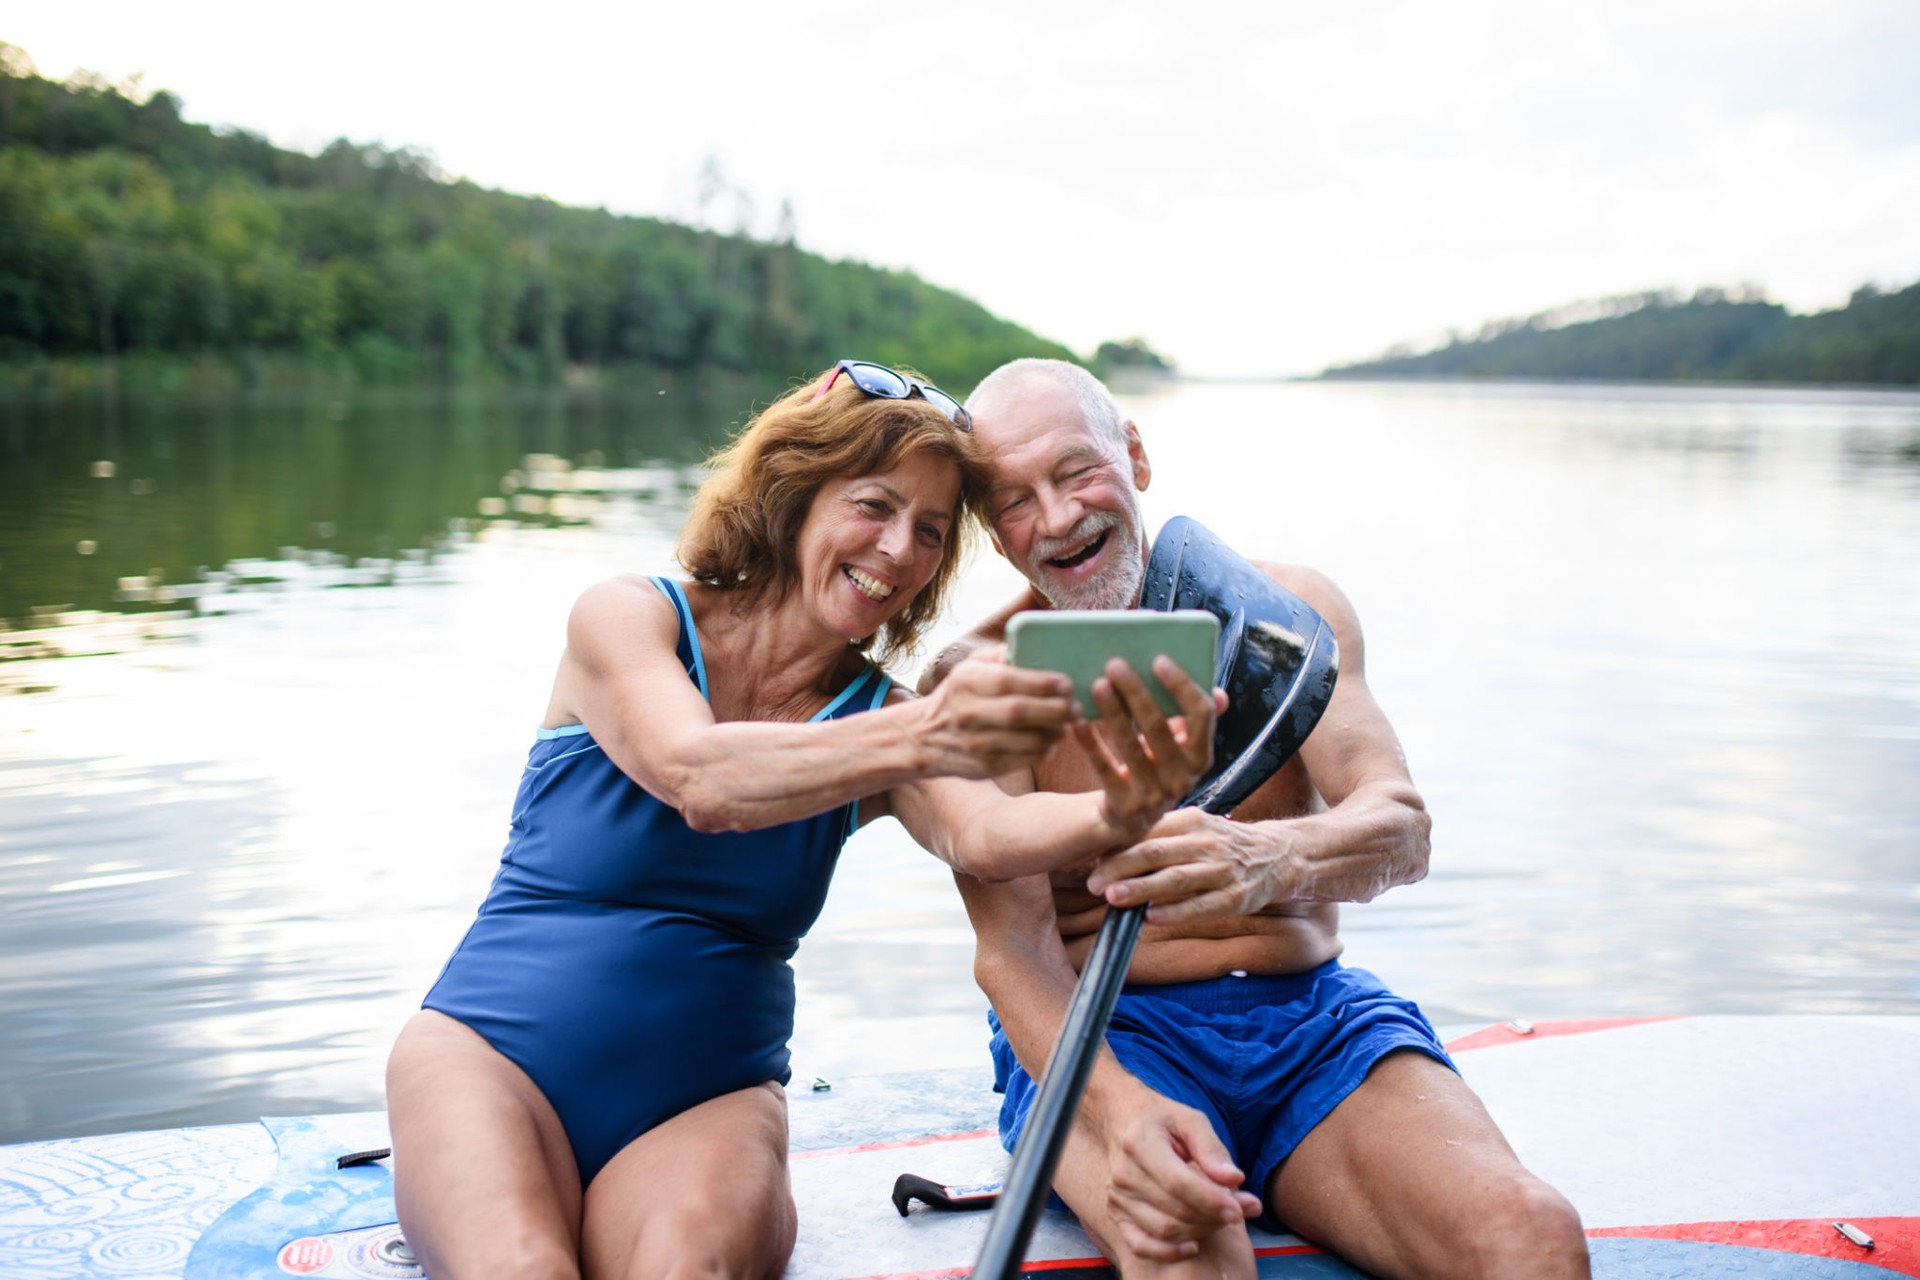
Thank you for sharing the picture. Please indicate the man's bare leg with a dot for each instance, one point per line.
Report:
(1409, 1176)
(1085, 1181)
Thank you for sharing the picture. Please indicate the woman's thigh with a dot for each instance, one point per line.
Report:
(703, 1193)
(484, 1179)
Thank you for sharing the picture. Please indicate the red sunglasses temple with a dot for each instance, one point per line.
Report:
(828, 384)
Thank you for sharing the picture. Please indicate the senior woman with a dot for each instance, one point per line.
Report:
(594, 1083)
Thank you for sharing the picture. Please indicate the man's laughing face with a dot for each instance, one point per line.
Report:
(1065, 501)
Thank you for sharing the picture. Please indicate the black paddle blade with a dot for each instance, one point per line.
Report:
(1278, 657)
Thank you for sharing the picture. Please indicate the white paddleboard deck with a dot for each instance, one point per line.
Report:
(1703, 1146)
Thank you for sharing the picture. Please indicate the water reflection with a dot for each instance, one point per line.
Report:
(1875, 452)
(121, 515)
(1650, 653)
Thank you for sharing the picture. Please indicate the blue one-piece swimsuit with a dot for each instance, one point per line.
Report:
(634, 967)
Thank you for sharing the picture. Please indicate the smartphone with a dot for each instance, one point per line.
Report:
(1080, 642)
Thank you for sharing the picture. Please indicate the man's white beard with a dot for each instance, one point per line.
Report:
(1118, 587)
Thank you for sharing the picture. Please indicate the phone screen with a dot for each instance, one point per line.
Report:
(1080, 643)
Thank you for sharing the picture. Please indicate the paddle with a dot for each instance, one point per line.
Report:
(1278, 661)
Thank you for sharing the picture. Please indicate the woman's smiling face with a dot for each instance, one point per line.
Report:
(871, 543)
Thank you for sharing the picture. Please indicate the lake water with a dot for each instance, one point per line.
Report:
(1654, 654)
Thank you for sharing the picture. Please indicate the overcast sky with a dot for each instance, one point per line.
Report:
(1255, 188)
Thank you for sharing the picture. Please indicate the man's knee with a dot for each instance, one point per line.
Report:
(1225, 1255)
(1084, 1182)
(1524, 1229)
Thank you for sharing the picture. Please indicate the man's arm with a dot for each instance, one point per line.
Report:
(992, 630)
(1373, 835)
(1142, 760)
(1168, 1179)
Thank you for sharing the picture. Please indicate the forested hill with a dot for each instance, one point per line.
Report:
(1713, 335)
(129, 234)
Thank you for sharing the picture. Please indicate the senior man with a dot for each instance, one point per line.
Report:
(1247, 1072)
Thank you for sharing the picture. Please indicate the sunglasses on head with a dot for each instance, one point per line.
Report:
(888, 384)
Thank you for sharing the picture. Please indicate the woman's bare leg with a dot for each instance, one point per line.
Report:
(702, 1194)
(483, 1177)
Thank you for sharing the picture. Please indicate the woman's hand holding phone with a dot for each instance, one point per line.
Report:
(988, 718)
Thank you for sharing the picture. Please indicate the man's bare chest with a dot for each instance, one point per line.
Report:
(1289, 793)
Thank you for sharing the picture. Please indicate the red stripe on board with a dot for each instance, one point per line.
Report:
(889, 1146)
(1896, 1241)
(1896, 1245)
(1504, 1034)
(1095, 1266)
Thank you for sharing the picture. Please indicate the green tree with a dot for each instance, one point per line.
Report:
(131, 231)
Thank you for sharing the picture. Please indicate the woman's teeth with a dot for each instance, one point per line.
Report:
(867, 585)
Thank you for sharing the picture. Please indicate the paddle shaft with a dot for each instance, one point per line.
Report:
(1065, 1080)
(1045, 1136)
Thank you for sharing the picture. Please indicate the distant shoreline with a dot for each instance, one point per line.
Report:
(1902, 390)
(233, 372)
(1715, 336)
(248, 370)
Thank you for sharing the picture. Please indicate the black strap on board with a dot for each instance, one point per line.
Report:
(909, 1187)
(354, 1158)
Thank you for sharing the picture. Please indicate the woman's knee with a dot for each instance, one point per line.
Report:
(704, 1193)
(715, 1241)
(528, 1254)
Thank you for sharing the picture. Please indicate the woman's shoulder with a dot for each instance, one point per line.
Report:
(622, 603)
(631, 589)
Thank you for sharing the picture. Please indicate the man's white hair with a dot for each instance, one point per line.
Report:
(1095, 402)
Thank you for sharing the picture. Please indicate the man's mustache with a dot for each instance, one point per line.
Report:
(1084, 530)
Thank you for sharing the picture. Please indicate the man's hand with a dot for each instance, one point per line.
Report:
(1146, 760)
(1194, 865)
(1171, 1182)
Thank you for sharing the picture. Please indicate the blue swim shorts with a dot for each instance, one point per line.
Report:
(1264, 1057)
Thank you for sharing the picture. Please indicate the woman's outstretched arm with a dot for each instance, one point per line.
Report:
(622, 679)
(1145, 761)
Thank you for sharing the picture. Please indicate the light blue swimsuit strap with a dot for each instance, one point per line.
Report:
(672, 591)
(826, 713)
(880, 680)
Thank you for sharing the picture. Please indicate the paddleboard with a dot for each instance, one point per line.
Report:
(1761, 1147)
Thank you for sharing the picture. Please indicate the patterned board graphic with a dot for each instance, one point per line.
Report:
(1720, 1146)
